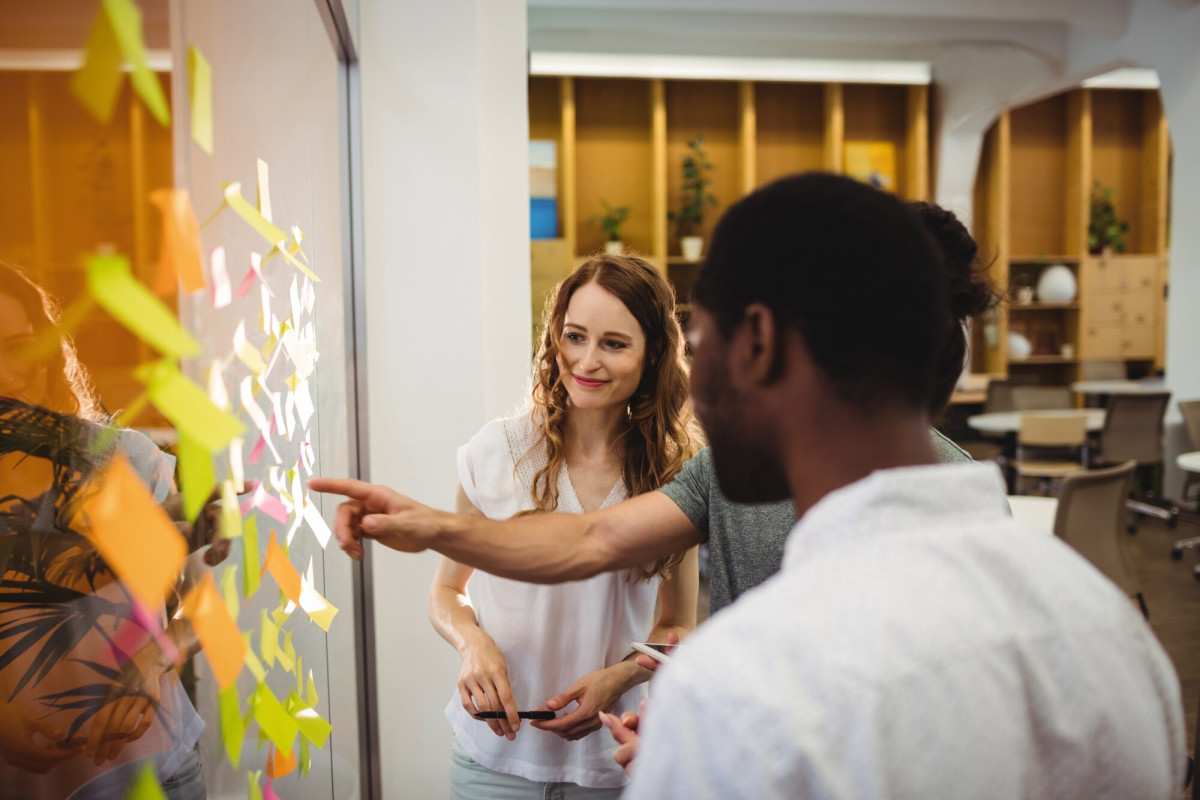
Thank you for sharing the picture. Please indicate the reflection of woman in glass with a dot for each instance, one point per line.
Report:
(85, 697)
(608, 420)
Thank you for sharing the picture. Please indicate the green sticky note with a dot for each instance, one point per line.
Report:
(231, 515)
(188, 408)
(250, 558)
(254, 791)
(252, 663)
(98, 82)
(200, 85)
(287, 653)
(311, 698)
(110, 281)
(305, 758)
(126, 23)
(242, 207)
(269, 640)
(229, 590)
(233, 724)
(300, 677)
(274, 720)
(197, 474)
(313, 727)
(146, 786)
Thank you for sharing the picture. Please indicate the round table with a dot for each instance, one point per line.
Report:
(1037, 512)
(1189, 461)
(1119, 387)
(1010, 421)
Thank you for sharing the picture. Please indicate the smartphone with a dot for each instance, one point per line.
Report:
(520, 715)
(656, 650)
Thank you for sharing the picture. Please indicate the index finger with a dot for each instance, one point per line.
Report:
(619, 732)
(348, 487)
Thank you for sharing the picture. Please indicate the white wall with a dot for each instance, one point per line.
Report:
(445, 197)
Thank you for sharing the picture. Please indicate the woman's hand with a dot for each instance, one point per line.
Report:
(18, 725)
(483, 686)
(624, 732)
(595, 692)
(130, 707)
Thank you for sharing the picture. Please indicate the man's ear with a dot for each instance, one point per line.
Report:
(757, 346)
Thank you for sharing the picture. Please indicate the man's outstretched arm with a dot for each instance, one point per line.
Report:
(540, 548)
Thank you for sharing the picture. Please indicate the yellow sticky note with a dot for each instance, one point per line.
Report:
(242, 207)
(268, 642)
(282, 571)
(98, 81)
(217, 631)
(231, 515)
(313, 726)
(196, 473)
(229, 591)
(200, 84)
(146, 786)
(252, 663)
(179, 251)
(319, 610)
(233, 724)
(310, 696)
(112, 284)
(251, 571)
(255, 791)
(273, 719)
(133, 534)
(126, 23)
(188, 407)
(287, 653)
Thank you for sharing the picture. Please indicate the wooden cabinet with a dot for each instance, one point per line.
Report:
(1032, 203)
(622, 140)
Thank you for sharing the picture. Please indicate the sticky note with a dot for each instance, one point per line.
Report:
(264, 190)
(268, 640)
(273, 719)
(281, 569)
(113, 286)
(146, 786)
(269, 791)
(310, 696)
(279, 764)
(133, 534)
(200, 89)
(237, 469)
(264, 227)
(245, 352)
(116, 39)
(188, 408)
(196, 473)
(233, 724)
(312, 726)
(179, 250)
(304, 403)
(312, 515)
(231, 515)
(222, 292)
(251, 570)
(287, 653)
(229, 591)
(251, 661)
(218, 633)
(305, 758)
(254, 791)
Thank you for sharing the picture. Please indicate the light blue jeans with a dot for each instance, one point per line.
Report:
(470, 780)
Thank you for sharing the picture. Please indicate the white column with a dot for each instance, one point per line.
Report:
(445, 203)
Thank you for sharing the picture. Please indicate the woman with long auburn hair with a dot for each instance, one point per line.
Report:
(609, 419)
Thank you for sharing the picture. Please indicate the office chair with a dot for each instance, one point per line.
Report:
(1090, 517)
(1191, 483)
(1094, 369)
(1049, 446)
(1133, 430)
(1041, 398)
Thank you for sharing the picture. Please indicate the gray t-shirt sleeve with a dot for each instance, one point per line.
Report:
(948, 452)
(689, 489)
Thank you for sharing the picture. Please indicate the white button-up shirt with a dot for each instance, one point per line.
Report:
(919, 643)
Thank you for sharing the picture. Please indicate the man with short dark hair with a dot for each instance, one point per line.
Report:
(917, 642)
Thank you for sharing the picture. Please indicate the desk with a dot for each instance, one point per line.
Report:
(1037, 512)
(963, 397)
(1119, 387)
(1010, 421)
(1189, 461)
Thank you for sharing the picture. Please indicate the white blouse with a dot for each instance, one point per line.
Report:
(550, 635)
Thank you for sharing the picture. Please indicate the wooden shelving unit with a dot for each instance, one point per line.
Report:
(1037, 169)
(622, 140)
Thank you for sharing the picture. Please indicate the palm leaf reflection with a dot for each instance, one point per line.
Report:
(89, 698)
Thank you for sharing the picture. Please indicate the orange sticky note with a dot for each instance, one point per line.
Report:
(133, 534)
(279, 764)
(282, 571)
(179, 251)
(218, 633)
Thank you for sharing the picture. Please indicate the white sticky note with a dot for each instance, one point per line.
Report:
(289, 414)
(264, 190)
(222, 291)
(315, 521)
(304, 404)
(216, 386)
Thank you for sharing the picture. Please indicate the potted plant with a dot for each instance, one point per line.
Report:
(695, 197)
(610, 222)
(1105, 230)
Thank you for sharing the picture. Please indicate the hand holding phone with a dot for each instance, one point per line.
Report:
(520, 715)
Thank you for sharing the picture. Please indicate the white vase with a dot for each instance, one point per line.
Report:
(614, 248)
(1019, 347)
(1056, 284)
(692, 247)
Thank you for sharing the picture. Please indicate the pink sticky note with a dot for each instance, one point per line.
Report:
(222, 295)
(256, 451)
(272, 506)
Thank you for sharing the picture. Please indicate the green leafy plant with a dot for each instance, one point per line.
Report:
(1104, 228)
(611, 220)
(696, 196)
